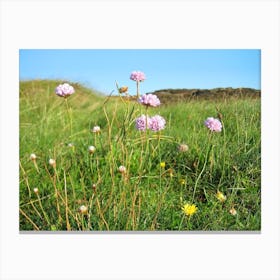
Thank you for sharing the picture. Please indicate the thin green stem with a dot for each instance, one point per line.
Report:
(201, 172)
(44, 212)
(181, 223)
(69, 115)
(137, 89)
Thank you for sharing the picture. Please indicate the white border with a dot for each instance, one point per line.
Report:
(140, 24)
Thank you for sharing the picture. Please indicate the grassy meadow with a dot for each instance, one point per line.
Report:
(218, 172)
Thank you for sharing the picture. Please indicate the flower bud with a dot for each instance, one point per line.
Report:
(91, 149)
(52, 162)
(171, 173)
(83, 209)
(182, 181)
(33, 157)
(232, 211)
(123, 89)
(183, 148)
(96, 129)
(122, 169)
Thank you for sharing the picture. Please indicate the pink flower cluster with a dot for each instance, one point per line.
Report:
(141, 122)
(155, 123)
(149, 100)
(64, 90)
(213, 124)
(137, 76)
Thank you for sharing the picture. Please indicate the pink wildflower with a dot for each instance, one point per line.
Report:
(137, 76)
(64, 90)
(157, 123)
(141, 122)
(149, 100)
(213, 124)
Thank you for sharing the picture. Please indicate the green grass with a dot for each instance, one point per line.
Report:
(148, 197)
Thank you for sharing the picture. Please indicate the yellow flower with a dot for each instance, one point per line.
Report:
(162, 164)
(221, 197)
(189, 209)
(182, 181)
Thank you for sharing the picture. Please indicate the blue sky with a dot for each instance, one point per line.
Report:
(174, 68)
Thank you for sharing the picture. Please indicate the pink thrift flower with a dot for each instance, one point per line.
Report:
(64, 90)
(149, 100)
(137, 76)
(213, 124)
(157, 123)
(141, 122)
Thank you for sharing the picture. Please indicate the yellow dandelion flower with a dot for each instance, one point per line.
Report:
(162, 164)
(221, 197)
(189, 209)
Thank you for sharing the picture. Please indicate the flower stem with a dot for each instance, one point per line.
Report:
(42, 208)
(137, 91)
(203, 168)
(69, 115)
(183, 218)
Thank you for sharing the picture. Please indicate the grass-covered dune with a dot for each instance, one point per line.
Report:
(217, 174)
(218, 94)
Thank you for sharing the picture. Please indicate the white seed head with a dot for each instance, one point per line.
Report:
(122, 169)
(33, 157)
(52, 162)
(232, 211)
(91, 149)
(96, 129)
(70, 145)
(83, 209)
(183, 148)
(36, 190)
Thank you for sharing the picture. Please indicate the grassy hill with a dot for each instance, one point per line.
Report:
(186, 95)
